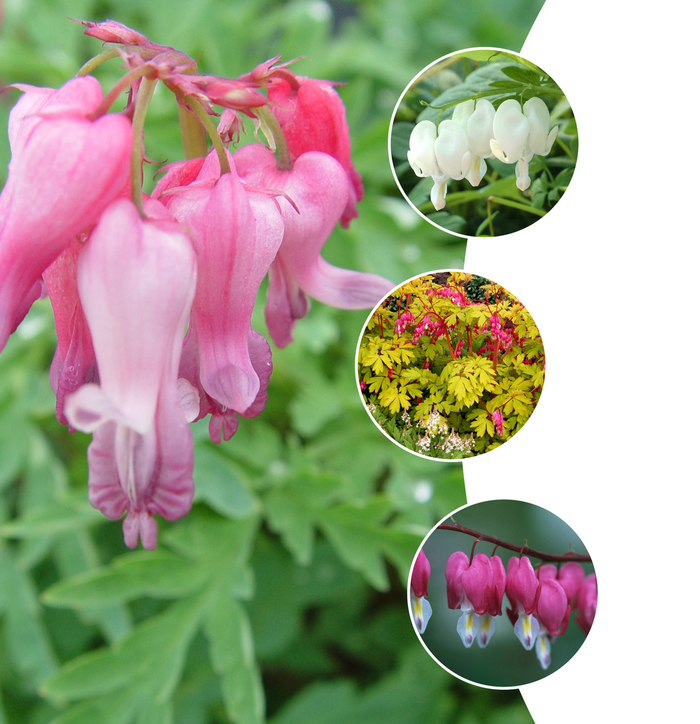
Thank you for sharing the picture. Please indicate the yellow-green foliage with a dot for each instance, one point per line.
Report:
(430, 347)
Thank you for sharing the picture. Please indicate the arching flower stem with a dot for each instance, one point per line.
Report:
(520, 550)
(143, 98)
(284, 162)
(100, 58)
(198, 109)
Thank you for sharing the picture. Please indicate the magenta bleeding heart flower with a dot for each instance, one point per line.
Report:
(420, 608)
(153, 297)
(477, 590)
(587, 603)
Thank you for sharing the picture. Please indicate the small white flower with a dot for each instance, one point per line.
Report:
(477, 121)
(520, 134)
(421, 156)
(451, 146)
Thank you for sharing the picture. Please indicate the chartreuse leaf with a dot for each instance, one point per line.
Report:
(233, 659)
(292, 508)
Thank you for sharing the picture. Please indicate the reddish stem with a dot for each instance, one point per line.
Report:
(521, 550)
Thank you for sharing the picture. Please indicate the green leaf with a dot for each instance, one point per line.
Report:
(219, 484)
(153, 652)
(69, 512)
(145, 573)
(233, 659)
(355, 531)
(520, 74)
(293, 508)
(28, 644)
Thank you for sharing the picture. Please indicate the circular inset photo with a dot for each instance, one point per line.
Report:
(450, 365)
(483, 143)
(502, 593)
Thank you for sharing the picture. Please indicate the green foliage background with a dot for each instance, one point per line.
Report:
(282, 595)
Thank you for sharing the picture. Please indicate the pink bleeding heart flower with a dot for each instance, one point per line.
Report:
(136, 280)
(318, 189)
(457, 563)
(74, 362)
(587, 603)
(236, 235)
(570, 577)
(312, 118)
(477, 590)
(420, 608)
(553, 609)
(552, 614)
(523, 589)
(497, 418)
(65, 170)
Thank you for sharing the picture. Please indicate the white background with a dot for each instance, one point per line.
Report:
(610, 277)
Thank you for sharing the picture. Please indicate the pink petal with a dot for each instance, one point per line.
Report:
(64, 172)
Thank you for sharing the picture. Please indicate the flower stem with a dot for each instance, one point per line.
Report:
(522, 550)
(516, 205)
(194, 137)
(102, 57)
(118, 89)
(198, 109)
(284, 161)
(143, 98)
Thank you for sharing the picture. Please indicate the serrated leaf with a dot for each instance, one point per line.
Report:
(293, 508)
(159, 574)
(355, 531)
(152, 652)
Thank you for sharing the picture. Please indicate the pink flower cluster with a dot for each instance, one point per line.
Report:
(428, 326)
(452, 294)
(541, 602)
(403, 322)
(127, 274)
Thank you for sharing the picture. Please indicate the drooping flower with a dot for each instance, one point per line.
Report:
(65, 170)
(136, 280)
(451, 145)
(523, 589)
(420, 608)
(569, 576)
(423, 160)
(477, 590)
(477, 122)
(312, 118)
(74, 362)
(587, 603)
(520, 134)
(236, 235)
(497, 418)
(317, 186)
